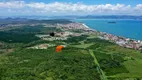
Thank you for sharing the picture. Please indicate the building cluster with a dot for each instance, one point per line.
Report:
(50, 38)
(125, 42)
(63, 34)
(42, 46)
(67, 30)
(3, 26)
(72, 26)
(58, 36)
(69, 26)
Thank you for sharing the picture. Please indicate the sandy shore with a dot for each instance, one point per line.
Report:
(85, 25)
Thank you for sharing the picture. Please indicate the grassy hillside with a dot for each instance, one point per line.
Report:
(48, 65)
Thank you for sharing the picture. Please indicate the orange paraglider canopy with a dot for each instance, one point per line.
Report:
(59, 48)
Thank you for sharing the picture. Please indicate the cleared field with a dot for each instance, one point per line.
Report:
(134, 67)
(118, 49)
(82, 45)
(92, 36)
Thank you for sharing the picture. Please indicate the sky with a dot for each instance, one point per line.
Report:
(70, 7)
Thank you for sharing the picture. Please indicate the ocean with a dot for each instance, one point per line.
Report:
(125, 28)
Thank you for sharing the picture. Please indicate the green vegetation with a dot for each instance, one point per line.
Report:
(28, 21)
(25, 34)
(47, 64)
(17, 37)
(82, 45)
(117, 62)
(111, 63)
(40, 29)
(76, 39)
(28, 29)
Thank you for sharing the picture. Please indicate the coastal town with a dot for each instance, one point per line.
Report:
(77, 29)
(85, 30)
(121, 41)
(124, 42)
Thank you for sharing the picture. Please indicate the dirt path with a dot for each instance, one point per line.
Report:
(100, 71)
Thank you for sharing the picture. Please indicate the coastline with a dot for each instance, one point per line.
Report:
(120, 40)
(106, 19)
(85, 26)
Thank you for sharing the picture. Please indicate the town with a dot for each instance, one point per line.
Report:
(124, 42)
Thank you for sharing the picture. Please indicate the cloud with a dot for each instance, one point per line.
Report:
(13, 4)
(60, 8)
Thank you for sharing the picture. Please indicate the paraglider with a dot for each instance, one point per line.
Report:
(59, 48)
(52, 34)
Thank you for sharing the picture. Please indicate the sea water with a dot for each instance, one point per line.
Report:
(125, 28)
